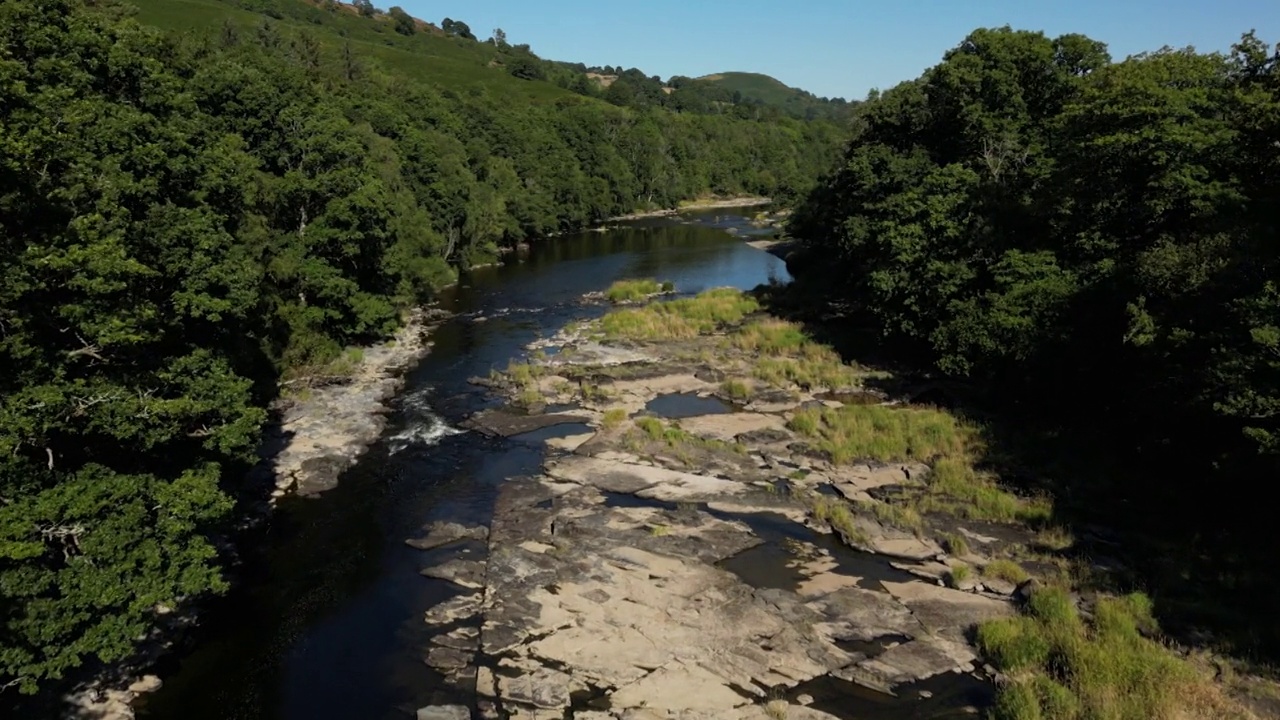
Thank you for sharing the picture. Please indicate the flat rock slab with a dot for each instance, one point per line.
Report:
(569, 443)
(727, 426)
(506, 424)
(463, 573)
(911, 662)
(947, 613)
(444, 533)
(444, 712)
(592, 353)
(454, 609)
(681, 687)
(652, 387)
(644, 481)
(866, 477)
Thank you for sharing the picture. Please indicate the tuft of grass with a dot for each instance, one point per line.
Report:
(838, 514)
(957, 575)
(1109, 667)
(632, 290)
(529, 397)
(770, 336)
(659, 530)
(681, 441)
(776, 709)
(873, 432)
(1055, 538)
(680, 319)
(955, 487)
(902, 517)
(955, 544)
(736, 389)
(808, 373)
(1003, 569)
(613, 418)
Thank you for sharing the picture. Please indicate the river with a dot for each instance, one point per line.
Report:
(326, 621)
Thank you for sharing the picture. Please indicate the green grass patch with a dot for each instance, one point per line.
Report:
(958, 575)
(872, 432)
(839, 515)
(736, 389)
(652, 430)
(770, 336)
(955, 544)
(902, 517)
(680, 319)
(614, 418)
(632, 290)
(957, 488)
(1006, 570)
(1064, 668)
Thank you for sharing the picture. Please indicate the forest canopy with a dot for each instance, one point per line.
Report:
(1095, 243)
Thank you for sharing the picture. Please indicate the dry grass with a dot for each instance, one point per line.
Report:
(736, 389)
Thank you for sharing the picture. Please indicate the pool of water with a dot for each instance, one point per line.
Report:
(674, 406)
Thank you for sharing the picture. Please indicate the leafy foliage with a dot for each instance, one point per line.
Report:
(1093, 241)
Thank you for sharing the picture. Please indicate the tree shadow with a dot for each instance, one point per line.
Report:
(1162, 519)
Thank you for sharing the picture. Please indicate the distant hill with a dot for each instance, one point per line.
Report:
(771, 91)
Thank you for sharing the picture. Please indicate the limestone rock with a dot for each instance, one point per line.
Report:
(453, 610)
(444, 712)
(464, 573)
(443, 533)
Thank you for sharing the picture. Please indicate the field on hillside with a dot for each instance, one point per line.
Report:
(446, 61)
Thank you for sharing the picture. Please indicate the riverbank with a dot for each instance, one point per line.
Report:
(692, 205)
(733, 523)
(324, 425)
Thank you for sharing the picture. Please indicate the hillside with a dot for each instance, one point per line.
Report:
(770, 91)
(428, 54)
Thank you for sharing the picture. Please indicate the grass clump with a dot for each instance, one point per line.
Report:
(872, 432)
(736, 389)
(654, 430)
(613, 418)
(632, 290)
(1064, 668)
(956, 487)
(957, 575)
(680, 319)
(838, 514)
(955, 544)
(771, 337)
(902, 517)
(1007, 570)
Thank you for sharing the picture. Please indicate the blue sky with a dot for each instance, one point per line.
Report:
(833, 47)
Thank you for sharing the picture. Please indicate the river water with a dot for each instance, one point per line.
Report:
(327, 622)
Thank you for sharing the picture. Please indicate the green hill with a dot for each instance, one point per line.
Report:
(428, 54)
(769, 91)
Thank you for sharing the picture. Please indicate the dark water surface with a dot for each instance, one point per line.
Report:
(328, 621)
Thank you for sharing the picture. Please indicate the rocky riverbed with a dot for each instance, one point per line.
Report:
(664, 568)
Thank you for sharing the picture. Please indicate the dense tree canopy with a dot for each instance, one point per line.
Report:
(185, 219)
(1096, 238)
